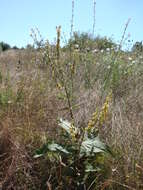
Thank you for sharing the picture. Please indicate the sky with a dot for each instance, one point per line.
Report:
(17, 17)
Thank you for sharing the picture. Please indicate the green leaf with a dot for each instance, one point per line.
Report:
(90, 168)
(50, 147)
(41, 151)
(57, 147)
(90, 147)
(38, 155)
(65, 125)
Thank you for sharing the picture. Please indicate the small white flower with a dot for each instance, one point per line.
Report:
(114, 170)
(87, 49)
(107, 49)
(133, 62)
(95, 51)
(76, 46)
(129, 58)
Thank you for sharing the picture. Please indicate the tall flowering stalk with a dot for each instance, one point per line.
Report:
(98, 118)
(58, 41)
(105, 108)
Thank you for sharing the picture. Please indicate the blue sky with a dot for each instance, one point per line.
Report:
(17, 17)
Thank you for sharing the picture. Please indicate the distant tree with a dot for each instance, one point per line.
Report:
(29, 46)
(15, 47)
(4, 46)
(102, 43)
(81, 41)
(138, 46)
(85, 41)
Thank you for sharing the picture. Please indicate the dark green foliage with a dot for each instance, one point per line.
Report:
(85, 41)
(80, 161)
(29, 46)
(4, 46)
(102, 43)
(15, 47)
(138, 46)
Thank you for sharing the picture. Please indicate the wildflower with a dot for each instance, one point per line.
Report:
(76, 46)
(130, 58)
(59, 86)
(104, 110)
(107, 49)
(109, 66)
(95, 51)
(53, 73)
(58, 40)
(92, 121)
(73, 132)
(133, 62)
(72, 67)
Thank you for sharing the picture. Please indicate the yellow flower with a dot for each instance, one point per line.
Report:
(99, 117)
(104, 111)
(73, 132)
(92, 121)
(59, 86)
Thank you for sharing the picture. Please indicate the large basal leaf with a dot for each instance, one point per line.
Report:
(51, 147)
(90, 147)
(57, 147)
(41, 151)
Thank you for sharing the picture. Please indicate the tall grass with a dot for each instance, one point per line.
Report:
(71, 117)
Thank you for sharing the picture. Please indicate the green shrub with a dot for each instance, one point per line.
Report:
(137, 47)
(85, 41)
(4, 46)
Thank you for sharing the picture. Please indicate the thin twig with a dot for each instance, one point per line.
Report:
(118, 52)
(94, 12)
(72, 19)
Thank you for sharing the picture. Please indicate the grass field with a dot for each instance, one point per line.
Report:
(72, 117)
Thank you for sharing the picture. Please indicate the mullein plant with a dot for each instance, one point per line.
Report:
(99, 117)
(63, 74)
(83, 155)
(79, 151)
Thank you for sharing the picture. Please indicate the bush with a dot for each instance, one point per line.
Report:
(4, 46)
(86, 41)
(15, 47)
(102, 43)
(138, 46)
